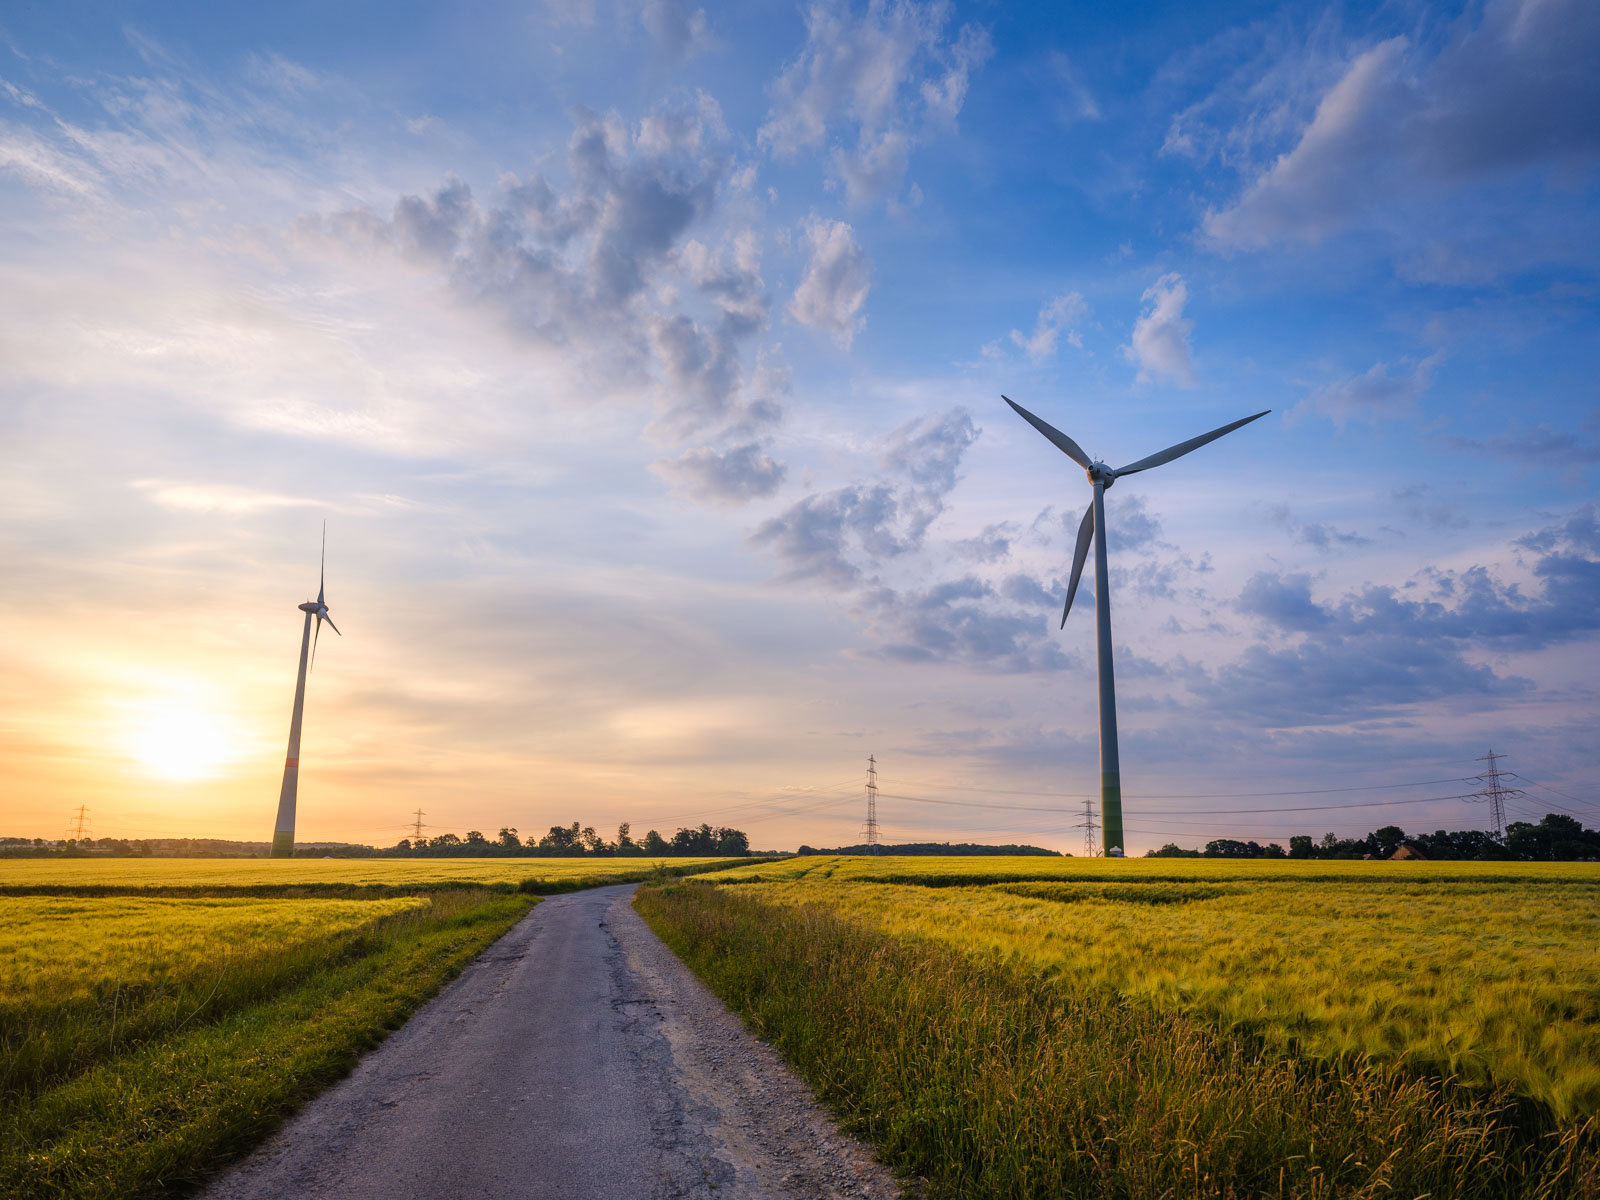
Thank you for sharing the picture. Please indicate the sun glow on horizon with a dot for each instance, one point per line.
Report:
(179, 737)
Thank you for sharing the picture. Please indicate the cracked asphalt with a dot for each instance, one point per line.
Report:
(576, 1058)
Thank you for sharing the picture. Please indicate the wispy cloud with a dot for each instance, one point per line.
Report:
(1160, 344)
(884, 79)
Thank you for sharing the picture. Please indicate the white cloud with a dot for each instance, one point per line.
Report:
(1060, 316)
(679, 33)
(728, 477)
(1160, 346)
(1515, 91)
(1075, 102)
(835, 285)
(1384, 392)
(1313, 190)
(888, 76)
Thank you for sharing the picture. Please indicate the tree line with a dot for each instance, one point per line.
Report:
(1557, 838)
(579, 841)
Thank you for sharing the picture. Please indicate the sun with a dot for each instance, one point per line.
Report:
(181, 741)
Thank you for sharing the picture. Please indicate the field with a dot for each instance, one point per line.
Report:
(159, 1017)
(279, 872)
(1146, 1026)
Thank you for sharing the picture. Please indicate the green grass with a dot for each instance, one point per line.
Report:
(987, 1077)
(146, 1041)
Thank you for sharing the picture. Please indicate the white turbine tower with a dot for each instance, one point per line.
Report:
(283, 831)
(1102, 477)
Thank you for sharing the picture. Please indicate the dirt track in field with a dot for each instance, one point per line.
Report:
(577, 1058)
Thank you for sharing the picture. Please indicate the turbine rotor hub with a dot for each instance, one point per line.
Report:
(1100, 473)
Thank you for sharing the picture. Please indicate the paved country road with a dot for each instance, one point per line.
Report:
(576, 1058)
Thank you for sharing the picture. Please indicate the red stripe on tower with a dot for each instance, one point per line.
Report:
(292, 762)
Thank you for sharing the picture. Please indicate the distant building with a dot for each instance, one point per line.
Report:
(1407, 850)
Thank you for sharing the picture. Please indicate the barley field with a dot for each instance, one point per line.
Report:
(1245, 1028)
(21, 873)
(158, 1017)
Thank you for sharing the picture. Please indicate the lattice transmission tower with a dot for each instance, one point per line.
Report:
(80, 829)
(417, 832)
(871, 827)
(1494, 792)
(1091, 845)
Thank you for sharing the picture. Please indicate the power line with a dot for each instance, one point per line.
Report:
(1373, 787)
(1545, 787)
(1178, 812)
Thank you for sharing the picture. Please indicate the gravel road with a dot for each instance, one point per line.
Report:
(577, 1058)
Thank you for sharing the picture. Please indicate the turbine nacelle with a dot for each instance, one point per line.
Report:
(1099, 473)
(310, 606)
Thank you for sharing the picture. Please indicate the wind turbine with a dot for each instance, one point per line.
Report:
(1102, 477)
(283, 831)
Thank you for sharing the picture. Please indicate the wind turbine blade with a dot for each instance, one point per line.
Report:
(322, 570)
(314, 638)
(1085, 536)
(335, 628)
(1182, 448)
(1062, 442)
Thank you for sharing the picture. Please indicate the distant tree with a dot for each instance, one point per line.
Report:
(508, 842)
(1301, 846)
(1232, 848)
(561, 840)
(731, 843)
(592, 842)
(654, 844)
(1273, 850)
(1172, 850)
(403, 845)
(625, 843)
(1557, 838)
(445, 843)
(701, 842)
(1384, 842)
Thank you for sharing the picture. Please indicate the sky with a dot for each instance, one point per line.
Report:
(645, 360)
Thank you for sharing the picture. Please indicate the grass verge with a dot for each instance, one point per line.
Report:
(150, 1093)
(987, 1079)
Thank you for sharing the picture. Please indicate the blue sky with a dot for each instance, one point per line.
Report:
(645, 362)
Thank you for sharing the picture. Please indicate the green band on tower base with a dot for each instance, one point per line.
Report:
(283, 844)
(1111, 813)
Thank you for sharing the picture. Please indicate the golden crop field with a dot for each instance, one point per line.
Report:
(56, 948)
(1489, 971)
(1178, 1027)
(982, 869)
(252, 872)
(158, 1016)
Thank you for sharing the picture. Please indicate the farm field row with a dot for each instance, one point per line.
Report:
(934, 871)
(146, 1040)
(1470, 972)
(159, 1016)
(258, 872)
(1034, 1028)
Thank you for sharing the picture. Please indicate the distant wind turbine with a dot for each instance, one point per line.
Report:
(1102, 477)
(283, 831)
